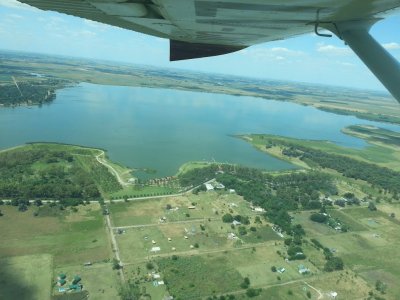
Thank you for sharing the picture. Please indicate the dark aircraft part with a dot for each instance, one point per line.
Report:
(182, 50)
(385, 67)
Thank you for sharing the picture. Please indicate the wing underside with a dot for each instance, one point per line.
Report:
(238, 23)
(200, 28)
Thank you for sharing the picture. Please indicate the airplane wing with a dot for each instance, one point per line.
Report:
(200, 28)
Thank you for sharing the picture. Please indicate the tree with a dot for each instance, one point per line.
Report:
(149, 266)
(1, 213)
(246, 283)
(242, 230)
(372, 206)
(380, 286)
(227, 218)
(115, 264)
(333, 264)
(273, 269)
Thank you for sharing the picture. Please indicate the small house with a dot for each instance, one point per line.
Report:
(303, 270)
(209, 187)
(61, 282)
(235, 222)
(281, 270)
(76, 280)
(155, 249)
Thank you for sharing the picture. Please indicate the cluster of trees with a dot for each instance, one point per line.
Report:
(102, 176)
(384, 178)
(279, 194)
(44, 173)
(228, 218)
(197, 176)
(333, 263)
(33, 92)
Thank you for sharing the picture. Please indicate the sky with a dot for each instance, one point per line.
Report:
(306, 58)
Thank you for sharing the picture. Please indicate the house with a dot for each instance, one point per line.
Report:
(333, 295)
(61, 282)
(232, 191)
(303, 270)
(161, 282)
(281, 270)
(209, 187)
(236, 223)
(156, 276)
(86, 264)
(219, 186)
(259, 209)
(155, 249)
(153, 242)
(192, 207)
(232, 236)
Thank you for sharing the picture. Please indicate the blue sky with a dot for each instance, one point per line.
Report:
(306, 59)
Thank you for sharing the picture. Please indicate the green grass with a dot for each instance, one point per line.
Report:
(195, 277)
(72, 238)
(384, 156)
(99, 280)
(26, 277)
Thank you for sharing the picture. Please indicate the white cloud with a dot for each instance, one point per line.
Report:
(391, 46)
(333, 50)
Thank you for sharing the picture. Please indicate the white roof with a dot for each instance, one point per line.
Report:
(155, 249)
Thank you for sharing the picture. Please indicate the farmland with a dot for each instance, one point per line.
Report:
(35, 247)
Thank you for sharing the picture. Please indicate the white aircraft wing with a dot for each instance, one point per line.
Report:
(200, 28)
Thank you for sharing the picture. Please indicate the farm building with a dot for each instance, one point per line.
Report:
(155, 249)
(61, 276)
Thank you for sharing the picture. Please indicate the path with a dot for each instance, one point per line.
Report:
(318, 291)
(101, 160)
(114, 245)
(166, 223)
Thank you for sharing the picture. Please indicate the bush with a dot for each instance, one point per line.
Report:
(149, 266)
(253, 292)
(273, 269)
(319, 218)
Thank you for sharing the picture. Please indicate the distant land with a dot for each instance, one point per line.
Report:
(38, 76)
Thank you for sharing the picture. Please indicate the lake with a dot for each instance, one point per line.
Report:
(162, 129)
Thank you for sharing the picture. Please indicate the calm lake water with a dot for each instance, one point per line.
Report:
(162, 129)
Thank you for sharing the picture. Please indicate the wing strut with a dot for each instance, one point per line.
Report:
(385, 67)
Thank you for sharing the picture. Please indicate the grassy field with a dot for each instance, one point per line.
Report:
(52, 241)
(368, 249)
(383, 155)
(26, 277)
